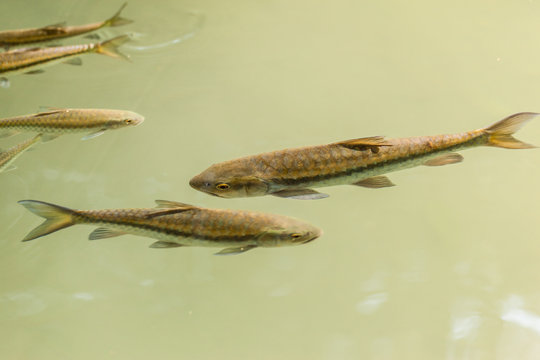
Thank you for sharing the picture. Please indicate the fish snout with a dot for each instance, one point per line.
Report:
(313, 234)
(201, 184)
(137, 119)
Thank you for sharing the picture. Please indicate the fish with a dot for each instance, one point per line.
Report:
(33, 60)
(293, 173)
(9, 38)
(56, 122)
(176, 224)
(8, 157)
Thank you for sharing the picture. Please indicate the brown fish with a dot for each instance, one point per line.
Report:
(176, 224)
(32, 61)
(8, 157)
(56, 122)
(57, 31)
(292, 173)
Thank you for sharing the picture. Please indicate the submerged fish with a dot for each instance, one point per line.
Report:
(292, 173)
(32, 61)
(57, 31)
(175, 224)
(56, 122)
(7, 157)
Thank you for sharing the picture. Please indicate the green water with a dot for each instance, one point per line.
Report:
(443, 266)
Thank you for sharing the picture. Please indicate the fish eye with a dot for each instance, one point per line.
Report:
(296, 236)
(222, 186)
(128, 121)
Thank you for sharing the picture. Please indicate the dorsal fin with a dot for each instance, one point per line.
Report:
(168, 204)
(364, 143)
(50, 112)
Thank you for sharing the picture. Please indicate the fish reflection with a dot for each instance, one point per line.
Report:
(56, 122)
(57, 31)
(8, 157)
(292, 173)
(176, 224)
(33, 60)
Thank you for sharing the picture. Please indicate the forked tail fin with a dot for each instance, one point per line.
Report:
(117, 20)
(56, 217)
(110, 47)
(500, 133)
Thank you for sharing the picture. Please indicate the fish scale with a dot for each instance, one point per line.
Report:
(294, 172)
(177, 224)
(64, 121)
(57, 31)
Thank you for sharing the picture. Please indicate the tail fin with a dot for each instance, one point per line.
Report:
(110, 47)
(57, 217)
(500, 133)
(117, 20)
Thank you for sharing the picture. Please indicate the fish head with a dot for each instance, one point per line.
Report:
(122, 119)
(222, 181)
(293, 233)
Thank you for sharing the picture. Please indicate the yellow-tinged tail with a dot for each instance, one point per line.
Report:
(110, 47)
(57, 217)
(500, 133)
(117, 20)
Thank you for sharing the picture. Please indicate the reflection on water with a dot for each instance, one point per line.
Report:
(442, 266)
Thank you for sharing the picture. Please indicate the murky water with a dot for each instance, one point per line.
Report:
(442, 266)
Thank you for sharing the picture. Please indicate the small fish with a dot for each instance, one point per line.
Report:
(8, 157)
(56, 122)
(33, 60)
(292, 173)
(57, 31)
(176, 224)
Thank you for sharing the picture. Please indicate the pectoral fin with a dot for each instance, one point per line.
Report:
(445, 159)
(236, 251)
(93, 135)
(375, 182)
(164, 245)
(300, 194)
(104, 233)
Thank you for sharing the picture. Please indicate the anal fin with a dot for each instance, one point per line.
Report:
(445, 159)
(104, 233)
(375, 182)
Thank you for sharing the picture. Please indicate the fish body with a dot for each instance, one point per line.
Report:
(33, 60)
(176, 224)
(64, 121)
(58, 31)
(8, 157)
(292, 173)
